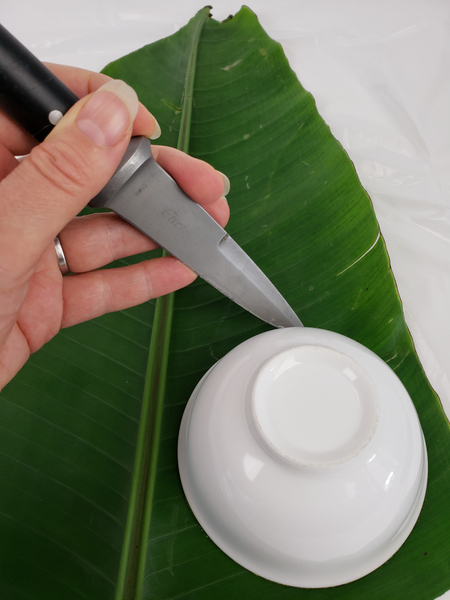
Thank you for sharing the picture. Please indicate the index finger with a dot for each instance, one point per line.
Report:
(82, 82)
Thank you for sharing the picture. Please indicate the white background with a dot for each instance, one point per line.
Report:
(380, 73)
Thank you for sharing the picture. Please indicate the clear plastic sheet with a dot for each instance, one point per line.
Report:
(379, 72)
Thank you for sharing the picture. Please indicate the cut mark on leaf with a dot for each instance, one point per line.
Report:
(392, 358)
(403, 359)
(229, 67)
(357, 300)
(361, 257)
(177, 109)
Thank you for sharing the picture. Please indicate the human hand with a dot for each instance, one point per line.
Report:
(40, 198)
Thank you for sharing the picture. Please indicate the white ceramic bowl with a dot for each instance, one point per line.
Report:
(302, 457)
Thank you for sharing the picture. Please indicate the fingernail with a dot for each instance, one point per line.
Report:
(226, 184)
(157, 131)
(108, 114)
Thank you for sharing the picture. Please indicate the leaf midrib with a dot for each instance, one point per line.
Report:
(133, 560)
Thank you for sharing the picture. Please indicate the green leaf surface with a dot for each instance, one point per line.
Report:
(91, 504)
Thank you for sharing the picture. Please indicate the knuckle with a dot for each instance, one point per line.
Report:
(62, 165)
(106, 294)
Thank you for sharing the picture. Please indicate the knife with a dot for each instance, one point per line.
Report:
(142, 193)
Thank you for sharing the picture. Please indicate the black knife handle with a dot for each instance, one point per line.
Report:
(29, 92)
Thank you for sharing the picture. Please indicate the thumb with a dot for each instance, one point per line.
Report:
(63, 174)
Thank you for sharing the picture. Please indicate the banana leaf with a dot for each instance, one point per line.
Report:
(91, 505)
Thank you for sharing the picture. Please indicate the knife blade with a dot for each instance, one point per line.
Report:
(142, 193)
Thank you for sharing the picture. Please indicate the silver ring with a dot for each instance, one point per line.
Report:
(62, 262)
